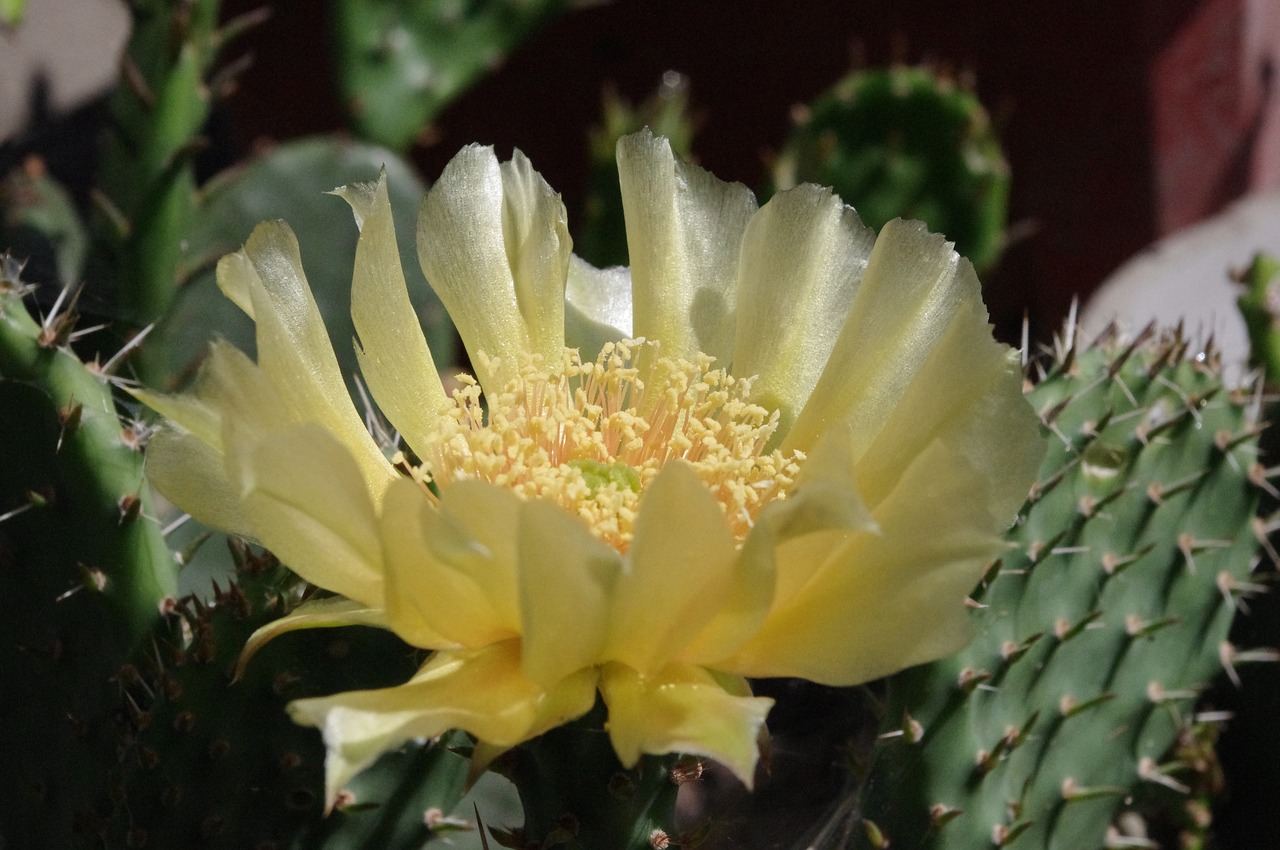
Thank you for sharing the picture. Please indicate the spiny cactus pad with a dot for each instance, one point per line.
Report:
(1100, 627)
(209, 761)
(906, 142)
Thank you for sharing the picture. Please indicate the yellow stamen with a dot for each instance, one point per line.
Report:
(591, 436)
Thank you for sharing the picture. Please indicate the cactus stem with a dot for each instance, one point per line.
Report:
(1069, 707)
(1002, 835)
(1136, 626)
(136, 81)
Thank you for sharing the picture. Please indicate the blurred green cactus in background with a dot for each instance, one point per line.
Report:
(905, 142)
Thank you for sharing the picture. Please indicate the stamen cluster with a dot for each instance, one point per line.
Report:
(591, 436)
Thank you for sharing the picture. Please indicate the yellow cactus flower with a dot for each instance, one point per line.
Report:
(777, 446)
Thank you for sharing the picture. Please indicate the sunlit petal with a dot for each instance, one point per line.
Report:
(482, 692)
(679, 571)
(305, 498)
(328, 612)
(871, 593)
(682, 709)
(293, 345)
(567, 579)
(684, 232)
(392, 351)
(451, 572)
(494, 245)
(597, 306)
(802, 259)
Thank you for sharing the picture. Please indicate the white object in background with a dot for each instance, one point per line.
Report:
(1186, 277)
(72, 47)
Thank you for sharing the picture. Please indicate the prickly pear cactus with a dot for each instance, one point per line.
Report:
(83, 566)
(905, 142)
(209, 759)
(400, 63)
(1098, 630)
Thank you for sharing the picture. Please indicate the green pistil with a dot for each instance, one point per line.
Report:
(599, 474)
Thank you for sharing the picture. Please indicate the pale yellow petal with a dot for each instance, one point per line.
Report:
(193, 475)
(858, 617)
(684, 232)
(450, 572)
(567, 580)
(802, 259)
(494, 245)
(682, 709)
(597, 306)
(482, 692)
(823, 507)
(293, 346)
(535, 230)
(329, 612)
(392, 351)
(914, 289)
(305, 498)
(678, 571)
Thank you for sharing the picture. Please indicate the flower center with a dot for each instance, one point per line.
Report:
(591, 436)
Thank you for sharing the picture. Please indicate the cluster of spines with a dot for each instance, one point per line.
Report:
(1100, 631)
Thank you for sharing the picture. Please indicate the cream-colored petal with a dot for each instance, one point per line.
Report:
(914, 289)
(494, 245)
(824, 506)
(684, 232)
(450, 571)
(597, 306)
(858, 616)
(482, 692)
(305, 498)
(678, 571)
(392, 351)
(193, 475)
(682, 709)
(535, 230)
(802, 259)
(293, 346)
(567, 579)
(326, 613)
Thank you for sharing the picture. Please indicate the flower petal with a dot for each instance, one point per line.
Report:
(494, 244)
(329, 612)
(802, 259)
(682, 709)
(451, 572)
(870, 594)
(482, 692)
(823, 510)
(567, 579)
(678, 573)
(391, 348)
(914, 290)
(193, 475)
(306, 500)
(597, 306)
(684, 232)
(266, 279)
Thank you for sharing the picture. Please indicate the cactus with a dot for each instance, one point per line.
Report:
(83, 567)
(905, 142)
(401, 63)
(148, 187)
(1099, 629)
(601, 238)
(1260, 308)
(208, 760)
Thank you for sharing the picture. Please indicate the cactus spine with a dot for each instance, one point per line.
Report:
(1099, 629)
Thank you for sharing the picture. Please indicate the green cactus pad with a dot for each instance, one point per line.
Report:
(905, 142)
(1098, 630)
(400, 63)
